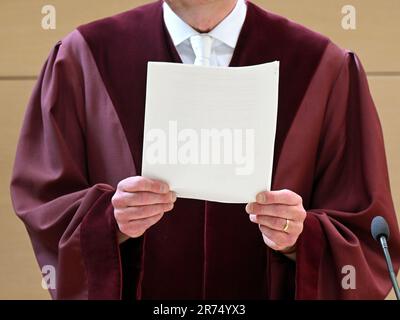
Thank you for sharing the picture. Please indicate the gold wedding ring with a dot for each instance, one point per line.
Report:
(286, 225)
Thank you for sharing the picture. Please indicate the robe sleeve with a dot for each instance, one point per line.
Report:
(70, 220)
(337, 258)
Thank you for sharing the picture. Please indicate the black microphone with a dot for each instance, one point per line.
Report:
(380, 232)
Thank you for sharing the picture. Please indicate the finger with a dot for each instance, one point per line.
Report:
(280, 239)
(147, 198)
(138, 183)
(141, 212)
(274, 223)
(279, 197)
(273, 210)
(278, 224)
(136, 228)
(122, 199)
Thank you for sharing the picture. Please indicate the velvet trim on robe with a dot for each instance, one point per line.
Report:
(83, 133)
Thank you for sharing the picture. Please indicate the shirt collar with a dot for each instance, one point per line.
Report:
(227, 31)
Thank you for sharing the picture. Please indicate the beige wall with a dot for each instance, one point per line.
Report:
(25, 45)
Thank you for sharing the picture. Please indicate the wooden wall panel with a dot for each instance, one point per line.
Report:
(377, 36)
(26, 44)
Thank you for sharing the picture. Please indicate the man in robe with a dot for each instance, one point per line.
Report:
(112, 234)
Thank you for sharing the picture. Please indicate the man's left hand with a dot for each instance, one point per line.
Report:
(280, 216)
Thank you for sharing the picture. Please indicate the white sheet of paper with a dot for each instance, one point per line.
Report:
(210, 131)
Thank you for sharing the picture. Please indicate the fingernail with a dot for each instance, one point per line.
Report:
(253, 218)
(260, 198)
(249, 208)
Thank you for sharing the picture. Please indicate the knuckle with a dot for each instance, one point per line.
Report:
(287, 193)
(299, 215)
(120, 185)
(292, 196)
(116, 200)
(271, 197)
(134, 182)
(141, 184)
(303, 214)
(125, 183)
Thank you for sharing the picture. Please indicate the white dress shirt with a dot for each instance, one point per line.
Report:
(225, 35)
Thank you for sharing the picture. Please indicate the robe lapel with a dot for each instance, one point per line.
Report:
(265, 38)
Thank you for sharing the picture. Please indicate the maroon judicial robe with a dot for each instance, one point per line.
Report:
(83, 133)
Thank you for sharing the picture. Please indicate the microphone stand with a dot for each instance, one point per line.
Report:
(390, 266)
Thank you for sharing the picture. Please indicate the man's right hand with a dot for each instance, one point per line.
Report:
(140, 203)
